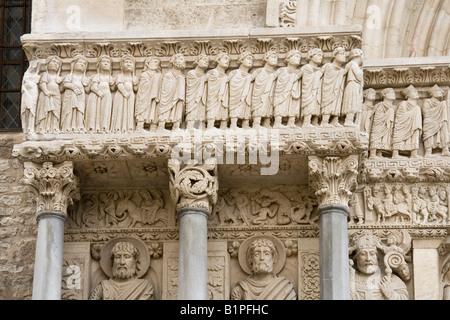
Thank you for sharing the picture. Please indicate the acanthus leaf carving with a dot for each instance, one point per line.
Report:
(54, 185)
(193, 185)
(333, 178)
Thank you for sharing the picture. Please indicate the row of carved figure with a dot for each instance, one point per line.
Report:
(379, 269)
(199, 98)
(396, 129)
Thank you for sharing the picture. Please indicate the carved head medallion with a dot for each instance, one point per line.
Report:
(141, 255)
(248, 248)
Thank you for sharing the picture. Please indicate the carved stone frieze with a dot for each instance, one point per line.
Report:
(55, 185)
(421, 72)
(414, 204)
(263, 206)
(163, 46)
(123, 208)
(333, 179)
(406, 170)
(135, 146)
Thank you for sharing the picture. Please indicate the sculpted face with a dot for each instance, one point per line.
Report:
(371, 95)
(262, 260)
(414, 94)
(53, 65)
(340, 57)
(366, 261)
(317, 57)
(124, 264)
(272, 60)
(248, 61)
(153, 64)
(439, 94)
(128, 65)
(390, 95)
(80, 65)
(105, 64)
(224, 61)
(403, 271)
(180, 62)
(203, 62)
(295, 59)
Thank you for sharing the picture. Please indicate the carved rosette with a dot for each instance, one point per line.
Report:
(333, 178)
(56, 186)
(193, 185)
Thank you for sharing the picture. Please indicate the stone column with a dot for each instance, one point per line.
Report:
(334, 180)
(55, 186)
(193, 189)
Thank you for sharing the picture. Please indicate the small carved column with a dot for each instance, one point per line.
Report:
(193, 189)
(55, 186)
(333, 179)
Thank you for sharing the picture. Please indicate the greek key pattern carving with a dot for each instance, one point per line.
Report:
(407, 170)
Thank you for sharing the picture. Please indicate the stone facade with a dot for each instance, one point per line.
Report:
(340, 131)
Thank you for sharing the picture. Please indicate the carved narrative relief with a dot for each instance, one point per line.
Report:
(263, 257)
(418, 203)
(124, 261)
(256, 206)
(124, 208)
(378, 269)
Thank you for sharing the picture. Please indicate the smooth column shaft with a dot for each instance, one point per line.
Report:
(333, 253)
(49, 256)
(193, 254)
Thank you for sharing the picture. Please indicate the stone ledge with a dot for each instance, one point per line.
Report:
(315, 141)
(420, 169)
(401, 72)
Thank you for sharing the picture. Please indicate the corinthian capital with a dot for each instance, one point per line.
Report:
(193, 185)
(54, 185)
(333, 178)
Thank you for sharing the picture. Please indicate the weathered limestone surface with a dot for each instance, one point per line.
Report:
(17, 225)
(398, 203)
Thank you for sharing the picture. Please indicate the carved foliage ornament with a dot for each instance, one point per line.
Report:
(333, 178)
(193, 185)
(55, 185)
